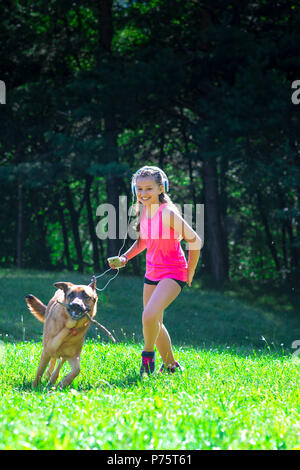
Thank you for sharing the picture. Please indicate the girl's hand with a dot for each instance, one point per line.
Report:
(122, 259)
(190, 275)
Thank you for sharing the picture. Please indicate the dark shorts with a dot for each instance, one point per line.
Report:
(181, 283)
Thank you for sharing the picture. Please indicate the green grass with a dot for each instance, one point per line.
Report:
(237, 391)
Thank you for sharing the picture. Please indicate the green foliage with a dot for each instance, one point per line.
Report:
(95, 93)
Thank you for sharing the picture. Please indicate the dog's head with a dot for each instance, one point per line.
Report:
(79, 299)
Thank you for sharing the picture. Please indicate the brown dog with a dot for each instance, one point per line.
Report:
(66, 325)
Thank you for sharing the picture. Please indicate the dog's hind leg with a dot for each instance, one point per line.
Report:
(51, 367)
(45, 358)
(55, 374)
(75, 369)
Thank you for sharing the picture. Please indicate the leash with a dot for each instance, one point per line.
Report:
(100, 275)
(118, 269)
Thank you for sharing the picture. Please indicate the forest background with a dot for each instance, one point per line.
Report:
(97, 89)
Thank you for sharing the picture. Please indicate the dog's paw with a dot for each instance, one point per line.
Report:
(71, 323)
(36, 385)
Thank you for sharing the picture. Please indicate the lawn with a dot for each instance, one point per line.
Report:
(237, 390)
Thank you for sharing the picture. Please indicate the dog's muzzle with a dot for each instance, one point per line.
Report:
(77, 310)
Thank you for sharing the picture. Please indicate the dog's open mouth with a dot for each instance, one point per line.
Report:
(76, 315)
(75, 310)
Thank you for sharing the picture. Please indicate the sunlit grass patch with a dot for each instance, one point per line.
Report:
(221, 400)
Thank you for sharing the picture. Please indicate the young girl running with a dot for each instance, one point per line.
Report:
(161, 229)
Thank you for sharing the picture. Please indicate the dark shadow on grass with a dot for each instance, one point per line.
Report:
(26, 386)
(128, 381)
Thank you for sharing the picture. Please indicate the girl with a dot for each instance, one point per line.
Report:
(160, 230)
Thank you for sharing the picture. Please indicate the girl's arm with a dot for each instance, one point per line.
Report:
(138, 246)
(175, 221)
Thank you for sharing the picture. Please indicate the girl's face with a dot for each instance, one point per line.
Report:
(148, 190)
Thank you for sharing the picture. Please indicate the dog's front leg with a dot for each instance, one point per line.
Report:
(45, 358)
(54, 344)
(75, 369)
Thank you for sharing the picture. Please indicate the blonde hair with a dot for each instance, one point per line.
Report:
(159, 178)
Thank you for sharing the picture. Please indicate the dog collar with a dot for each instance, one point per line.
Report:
(73, 332)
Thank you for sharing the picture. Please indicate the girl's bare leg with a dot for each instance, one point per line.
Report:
(164, 346)
(163, 341)
(156, 300)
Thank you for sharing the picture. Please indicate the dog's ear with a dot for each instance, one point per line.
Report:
(63, 285)
(92, 284)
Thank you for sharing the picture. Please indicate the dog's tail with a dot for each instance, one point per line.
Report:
(36, 307)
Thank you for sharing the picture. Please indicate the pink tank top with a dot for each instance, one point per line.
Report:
(165, 257)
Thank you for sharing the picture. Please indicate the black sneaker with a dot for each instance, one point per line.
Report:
(171, 369)
(148, 363)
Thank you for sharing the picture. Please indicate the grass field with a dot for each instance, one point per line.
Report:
(237, 390)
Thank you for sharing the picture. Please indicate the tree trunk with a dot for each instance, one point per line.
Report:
(106, 25)
(293, 249)
(112, 182)
(74, 217)
(287, 228)
(101, 245)
(20, 227)
(161, 157)
(266, 225)
(40, 218)
(223, 212)
(65, 236)
(213, 221)
(91, 223)
(188, 157)
(110, 126)
(284, 250)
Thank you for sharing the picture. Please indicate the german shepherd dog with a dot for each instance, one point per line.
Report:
(65, 327)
